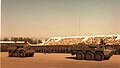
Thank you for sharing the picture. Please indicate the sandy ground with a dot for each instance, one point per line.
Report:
(55, 60)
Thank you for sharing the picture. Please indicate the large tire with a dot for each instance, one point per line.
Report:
(16, 54)
(89, 56)
(117, 52)
(99, 56)
(31, 55)
(22, 54)
(27, 55)
(79, 55)
(11, 53)
(107, 58)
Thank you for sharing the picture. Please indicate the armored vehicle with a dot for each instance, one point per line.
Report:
(21, 51)
(92, 52)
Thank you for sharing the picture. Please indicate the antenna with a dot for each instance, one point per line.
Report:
(79, 23)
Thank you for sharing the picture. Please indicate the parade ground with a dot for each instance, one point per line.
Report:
(56, 60)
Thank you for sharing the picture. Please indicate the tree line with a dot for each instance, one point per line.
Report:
(30, 40)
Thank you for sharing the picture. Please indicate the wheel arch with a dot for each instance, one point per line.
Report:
(100, 51)
(92, 51)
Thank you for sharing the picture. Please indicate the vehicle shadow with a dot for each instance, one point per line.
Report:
(71, 58)
(20, 57)
(74, 58)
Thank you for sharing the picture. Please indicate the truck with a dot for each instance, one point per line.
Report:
(92, 52)
(89, 51)
(21, 51)
(82, 51)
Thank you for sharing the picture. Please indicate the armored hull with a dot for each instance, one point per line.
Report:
(92, 52)
(21, 52)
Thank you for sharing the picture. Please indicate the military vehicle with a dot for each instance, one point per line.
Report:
(82, 51)
(21, 51)
(92, 52)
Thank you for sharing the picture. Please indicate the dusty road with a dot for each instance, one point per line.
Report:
(56, 61)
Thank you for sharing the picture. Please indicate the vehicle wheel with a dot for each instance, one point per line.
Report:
(10, 53)
(99, 56)
(116, 52)
(22, 54)
(31, 55)
(107, 58)
(16, 54)
(89, 56)
(79, 55)
(27, 55)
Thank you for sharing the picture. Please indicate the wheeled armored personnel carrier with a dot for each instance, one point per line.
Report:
(21, 51)
(92, 52)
